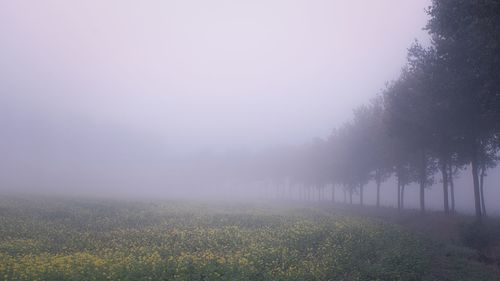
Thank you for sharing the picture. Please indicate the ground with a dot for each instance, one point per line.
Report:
(63, 239)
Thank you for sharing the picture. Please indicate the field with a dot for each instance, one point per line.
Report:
(49, 239)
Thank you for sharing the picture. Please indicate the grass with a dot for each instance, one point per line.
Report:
(111, 240)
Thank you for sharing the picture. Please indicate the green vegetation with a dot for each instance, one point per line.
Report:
(109, 240)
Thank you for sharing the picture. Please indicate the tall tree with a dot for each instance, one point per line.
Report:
(464, 33)
(380, 144)
(409, 121)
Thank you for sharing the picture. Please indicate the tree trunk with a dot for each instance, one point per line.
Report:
(481, 183)
(475, 181)
(403, 196)
(422, 197)
(333, 193)
(361, 190)
(444, 174)
(423, 178)
(399, 194)
(452, 188)
(350, 195)
(345, 196)
(378, 193)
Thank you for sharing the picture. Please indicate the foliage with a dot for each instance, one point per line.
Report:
(480, 236)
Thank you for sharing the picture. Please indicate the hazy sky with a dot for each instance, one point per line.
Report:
(108, 96)
(198, 73)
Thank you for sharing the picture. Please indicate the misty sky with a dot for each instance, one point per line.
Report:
(110, 96)
(198, 74)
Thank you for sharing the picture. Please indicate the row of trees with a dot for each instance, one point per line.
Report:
(441, 115)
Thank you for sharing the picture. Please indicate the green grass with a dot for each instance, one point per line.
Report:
(111, 240)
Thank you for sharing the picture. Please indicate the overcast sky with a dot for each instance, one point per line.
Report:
(201, 74)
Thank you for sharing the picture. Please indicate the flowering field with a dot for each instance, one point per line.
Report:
(110, 240)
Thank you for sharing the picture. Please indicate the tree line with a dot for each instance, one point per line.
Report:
(441, 115)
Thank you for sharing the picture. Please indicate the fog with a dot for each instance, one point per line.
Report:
(175, 98)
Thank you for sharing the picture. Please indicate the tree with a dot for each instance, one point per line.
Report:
(380, 145)
(408, 121)
(464, 34)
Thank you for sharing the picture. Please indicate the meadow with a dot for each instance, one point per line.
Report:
(63, 239)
